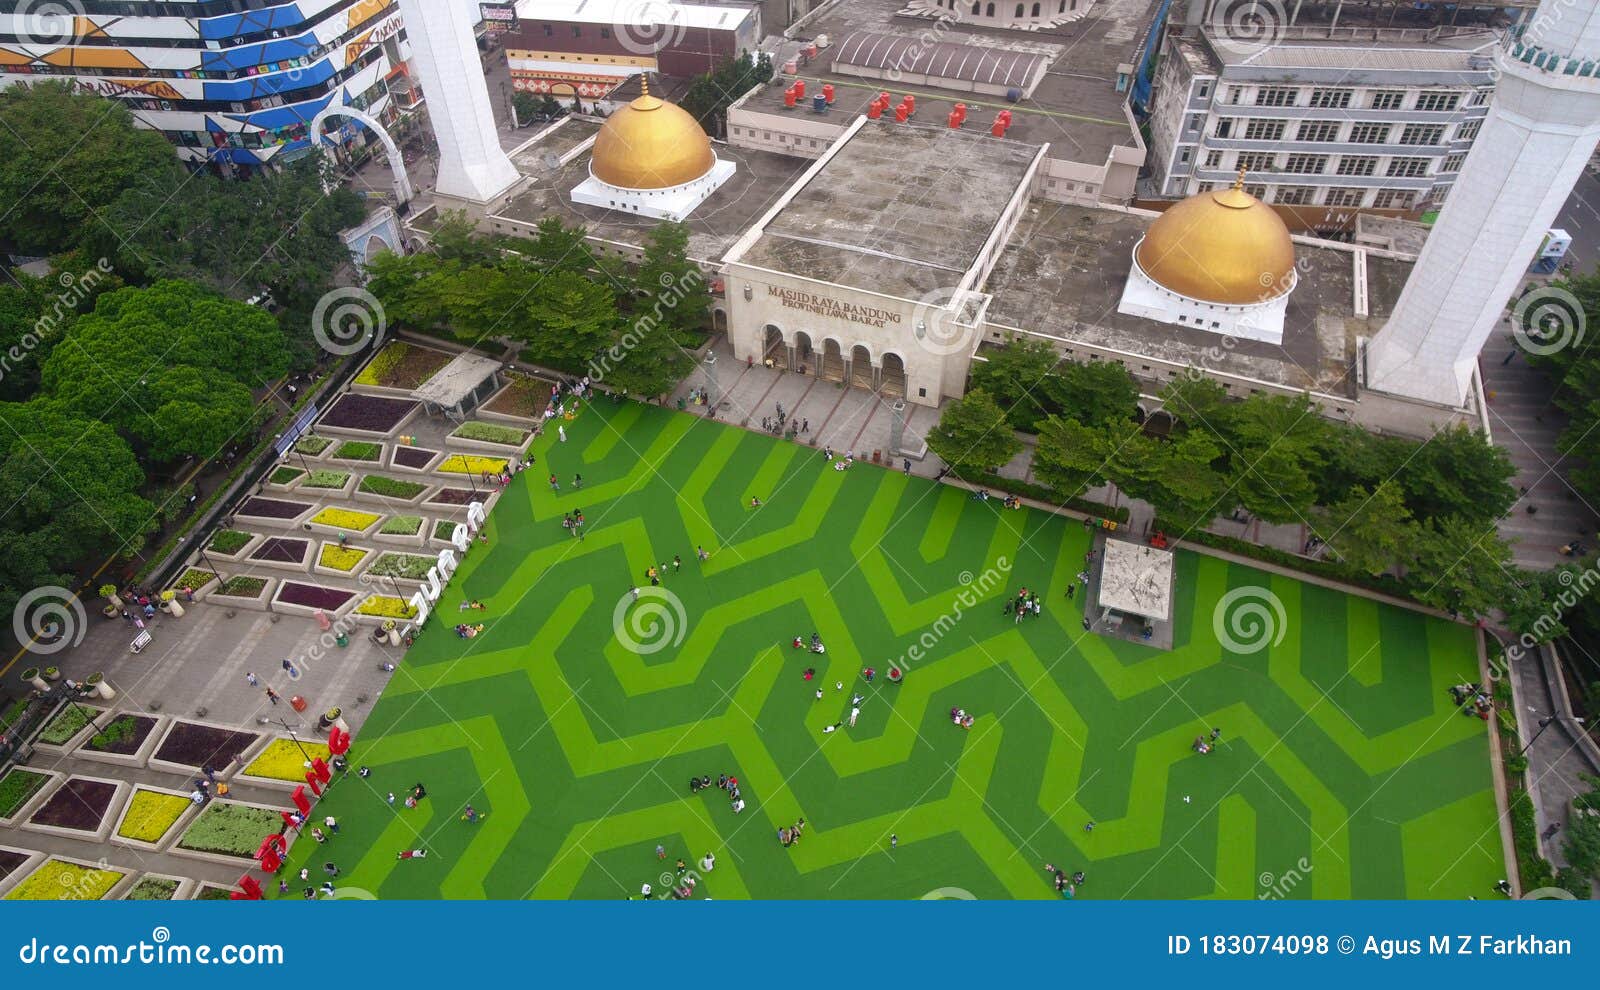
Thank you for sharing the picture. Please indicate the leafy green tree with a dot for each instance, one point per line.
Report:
(710, 95)
(1071, 458)
(1200, 404)
(1458, 473)
(1018, 374)
(1186, 488)
(1096, 392)
(669, 289)
(556, 247)
(1272, 484)
(1371, 531)
(1464, 567)
(973, 434)
(569, 321)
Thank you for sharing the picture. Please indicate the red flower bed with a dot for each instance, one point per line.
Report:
(282, 550)
(454, 496)
(413, 457)
(271, 508)
(313, 596)
(79, 804)
(203, 745)
(9, 861)
(368, 412)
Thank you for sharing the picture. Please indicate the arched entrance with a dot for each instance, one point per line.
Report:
(861, 370)
(1159, 424)
(774, 352)
(832, 361)
(805, 357)
(402, 180)
(893, 376)
(719, 320)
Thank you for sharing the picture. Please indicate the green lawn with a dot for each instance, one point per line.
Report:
(1343, 771)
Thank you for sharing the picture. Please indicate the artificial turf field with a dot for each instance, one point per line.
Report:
(1342, 771)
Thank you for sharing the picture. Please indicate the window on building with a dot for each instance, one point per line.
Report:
(1225, 127)
(1480, 97)
(1184, 156)
(1407, 168)
(1318, 130)
(1264, 130)
(1453, 163)
(1356, 165)
(1036, 10)
(1256, 161)
(1195, 120)
(1422, 134)
(1305, 164)
(1387, 99)
(1344, 197)
(1205, 187)
(1468, 131)
(1369, 133)
(1331, 99)
(1213, 159)
(1019, 10)
(1275, 96)
(1294, 195)
(1440, 192)
(1259, 192)
(577, 31)
(1235, 93)
(1393, 199)
(1204, 90)
(1438, 102)
(605, 32)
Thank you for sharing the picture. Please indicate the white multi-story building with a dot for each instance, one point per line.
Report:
(1320, 120)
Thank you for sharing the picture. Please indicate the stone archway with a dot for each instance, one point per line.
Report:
(719, 320)
(1160, 423)
(832, 361)
(397, 163)
(893, 376)
(805, 356)
(774, 351)
(862, 374)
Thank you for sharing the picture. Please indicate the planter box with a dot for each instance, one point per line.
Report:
(116, 890)
(62, 749)
(330, 610)
(317, 567)
(26, 864)
(393, 501)
(182, 822)
(287, 786)
(362, 388)
(185, 888)
(422, 466)
(119, 794)
(414, 541)
(241, 554)
(279, 521)
(343, 491)
(140, 757)
(175, 728)
(488, 447)
(367, 417)
(245, 859)
(316, 527)
(53, 779)
(260, 603)
(274, 552)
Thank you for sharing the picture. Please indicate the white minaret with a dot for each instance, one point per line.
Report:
(472, 165)
(1540, 131)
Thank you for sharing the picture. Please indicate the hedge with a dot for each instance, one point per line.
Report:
(1117, 514)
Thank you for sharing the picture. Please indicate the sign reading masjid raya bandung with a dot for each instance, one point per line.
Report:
(807, 302)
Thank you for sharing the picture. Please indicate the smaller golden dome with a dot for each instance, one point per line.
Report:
(651, 144)
(1224, 247)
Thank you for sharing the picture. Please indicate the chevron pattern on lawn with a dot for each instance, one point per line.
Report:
(1343, 770)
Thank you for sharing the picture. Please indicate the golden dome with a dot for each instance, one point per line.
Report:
(1222, 247)
(651, 144)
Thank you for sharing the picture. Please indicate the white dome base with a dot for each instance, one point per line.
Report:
(1144, 297)
(674, 204)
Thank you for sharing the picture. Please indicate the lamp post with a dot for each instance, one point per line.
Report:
(1545, 723)
(285, 724)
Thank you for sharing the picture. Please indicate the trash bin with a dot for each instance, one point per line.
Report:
(343, 639)
(297, 703)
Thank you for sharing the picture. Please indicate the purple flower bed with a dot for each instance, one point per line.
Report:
(79, 804)
(312, 596)
(271, 508)
(9, 861)
(413, 457)
(203, 745)
(282, 550)
(368, 412)
(454, 496)
(123, 735)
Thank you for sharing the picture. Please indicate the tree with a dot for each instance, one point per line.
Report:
(1070, 457)
(669, 289)
(710, 95)
(973, 434)
(1200, 403)
(1464, 567)
(65, 157)
(556, 247)
(1016, 375)
(1187, 489)
(1272, 484)
(1097, 392)
(567, 321)
(1372, 531)
(1458, 473)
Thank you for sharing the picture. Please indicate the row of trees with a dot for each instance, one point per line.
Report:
(550, 295)
(710, 95)
(1425, 513)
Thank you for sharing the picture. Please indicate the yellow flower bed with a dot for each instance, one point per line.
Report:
(345, 519)
(386, 606)
(471, 464)
(59, 881)
(340, 558)
(151, 814)
(283, 760)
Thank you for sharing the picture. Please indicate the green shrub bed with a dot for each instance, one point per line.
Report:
(231, 829)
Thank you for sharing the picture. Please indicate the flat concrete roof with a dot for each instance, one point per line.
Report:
(1063, 272)
(1076, 109)
(900, 209)
(1137, 580)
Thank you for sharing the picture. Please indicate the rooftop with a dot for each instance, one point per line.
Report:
(626, 13)
(901, 209)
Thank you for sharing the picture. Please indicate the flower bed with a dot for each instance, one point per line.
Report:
(327, 479)
(367, 412)
(10, 861)
(122, 736)
(511, 436)
(16, 788)
(337, 558)
(471, 464)
(401, 526)
(453, 496)
(313, 596)
(67, 724)
(285, 475)
(386, 607)
(242, 587)
(153, 889)
(229, 542)
(416, 458)
(401, 365)
(375, 484)
(58, 880)
(359, 450)
(350, 519)
(211, 892)
(284, 759)
(444, 529)
(80, 804)
(194, 579)
(409, 566)
(230, 829)
(191, 744)
(151, 815)
(311, 445)
(282, 550)
(272, 508)
(524, 397)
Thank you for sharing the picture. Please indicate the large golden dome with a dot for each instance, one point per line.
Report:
(651, 144)
(1222, 247)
